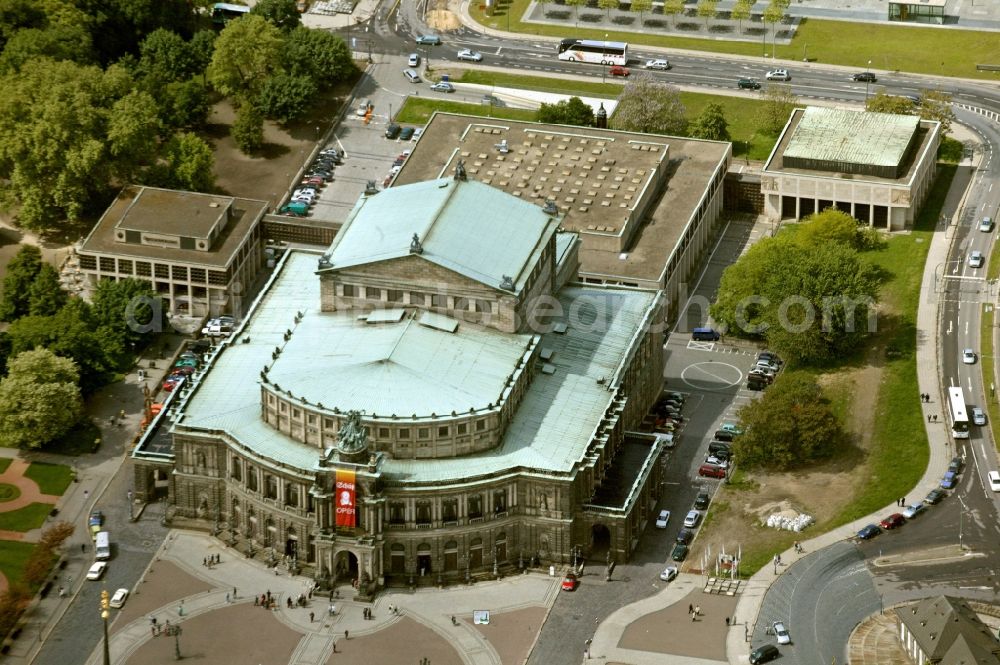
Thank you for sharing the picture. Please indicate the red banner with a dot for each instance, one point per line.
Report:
(345, 498)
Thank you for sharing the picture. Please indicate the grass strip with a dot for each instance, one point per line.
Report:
(51, 478)
(24, 519)
(14, 557)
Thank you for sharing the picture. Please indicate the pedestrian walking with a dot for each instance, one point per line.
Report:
(697, 610)
(234, 593)
(727, 622)
(690, 609)
(346, 635)
(935, 417)
(227, 596)
(83, 547)
(312, 617)
(928, 417)
(904, 501)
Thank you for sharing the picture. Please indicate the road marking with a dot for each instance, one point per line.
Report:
(950, 324)
(700, 346)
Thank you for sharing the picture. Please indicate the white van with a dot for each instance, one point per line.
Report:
(102, 546)
(994, 477)
(411, 76)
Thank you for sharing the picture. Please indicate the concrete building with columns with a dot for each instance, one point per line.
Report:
(430, 399)
(646, 207)
(876, 167)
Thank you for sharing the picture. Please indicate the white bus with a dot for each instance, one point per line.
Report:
(594, 51)
(102, 546)
(959, 418)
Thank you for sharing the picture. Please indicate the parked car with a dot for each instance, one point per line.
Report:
(678, 397)
(469, 54)
(869, 532)
(978, 416)
(914, 510)
(949, 480)
(934, 496)
(96, 518)
(186, 362)
(986, 225)
(976, 259)
(732, 428)
(680, 552)
(724, 435)
(893, 521)
(748, 84)
(432, 40)
(864, 77)
(392, 131)
(119, 598)
(692, 518)
(363, 108)
(669, 573)
(443, 86)
(662, 519)
(781, 633)
(770, 357)
(994, 479)
(968, 356)
(711, 471)
(618, 70)
(312, 181)
(406, 134)
(295, 208)
(956, 464)
(778, 75)
(660, 64)
(96, 571)
(764, 654)
(413, 60)
(701, 501)
(569, 582)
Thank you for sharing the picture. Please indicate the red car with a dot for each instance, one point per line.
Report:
(569, 582)
(618, 70)
(892, 521)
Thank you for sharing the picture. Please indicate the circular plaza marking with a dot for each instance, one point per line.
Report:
(711, 376)
(8, 492)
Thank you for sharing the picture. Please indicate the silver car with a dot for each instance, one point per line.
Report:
(661, 64)
(978, 416)
(469, 54)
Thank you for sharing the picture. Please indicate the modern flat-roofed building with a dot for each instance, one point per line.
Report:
(199, 251)
(427, 400)
(645, 206)
(876, 167)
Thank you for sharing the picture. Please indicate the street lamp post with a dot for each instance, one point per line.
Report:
(105, 604)
(868, 80)
(604, 60)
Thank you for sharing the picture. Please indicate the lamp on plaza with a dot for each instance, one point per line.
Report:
(105, 604)
(868, 80)
(604, 59)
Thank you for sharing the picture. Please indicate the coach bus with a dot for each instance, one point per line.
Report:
(959, 418)
(223, 12)
(594, 51)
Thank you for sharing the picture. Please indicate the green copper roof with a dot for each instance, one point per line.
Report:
(852, 137)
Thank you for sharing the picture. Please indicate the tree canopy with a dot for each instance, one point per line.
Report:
(791, 425)
(572, 111)
(247, 53)
(711, 124)
(282, 14)
(775, 108)
(807, 292)
(21, 273)
(651, 106)
(39, 399)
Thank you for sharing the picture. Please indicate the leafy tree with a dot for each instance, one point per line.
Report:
(836, 226)
(201, 47)
(132, 130)
(119, 26)
(741, 12)
(281, 14)
(247, 53)
(641, 6)
(707, 9)
(39, 399)
(128, 314)
(576, 4)
(21, 273)
(776, 108)
(572, 111)
(165, 57)
(650, 106)
(772, 16)
(882, 102)
(57, 42)
(17, 15)
(319, 55)
(46, 295)
(71, 333)
(4, 352)
(672, 8)
(608, 5)
(936, 105)
(184, 104)
(190, 163)
(44, 555)
(248, 129)
(12, 604)
(284, 98)
(790, 426)
(711, 124)
(811, 302)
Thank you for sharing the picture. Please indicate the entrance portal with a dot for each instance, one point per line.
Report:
(600, 542)
(345, 567)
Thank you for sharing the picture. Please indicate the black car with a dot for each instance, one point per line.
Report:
(723, 435)
(864, 77)
(748, 84)
(392, 131)
(701, 501)
(764, 654)
(406, 134)
(685, 536)
(956, 465)
(680, 552)
(935, 496)
(869, 532)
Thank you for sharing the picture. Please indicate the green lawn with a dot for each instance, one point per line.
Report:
(30, 517)
(418, 110)
(8, 492)
(987, 360)
(4, 463)
(14, 556)
(908, 48)
(51, 478)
